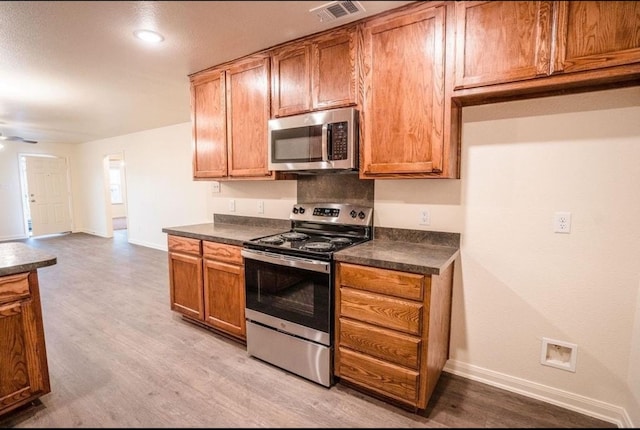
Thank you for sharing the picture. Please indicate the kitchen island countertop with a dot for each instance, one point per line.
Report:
(16, 257)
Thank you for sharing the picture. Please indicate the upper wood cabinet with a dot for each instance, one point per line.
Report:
(230, 107)
(247, 114)
(596, 34)
(402, 120)
(316, 73)
(502, 41)
(209, 125)
(521, 48)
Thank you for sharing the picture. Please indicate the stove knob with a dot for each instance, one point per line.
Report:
(301, 210)
(361, 215)
(295, 210)
(353, 214)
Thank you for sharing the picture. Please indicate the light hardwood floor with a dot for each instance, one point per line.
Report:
(118, 357)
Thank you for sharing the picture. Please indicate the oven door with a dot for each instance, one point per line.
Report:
(289, 293)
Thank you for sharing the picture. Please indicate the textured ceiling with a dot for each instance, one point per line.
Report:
(72, 72)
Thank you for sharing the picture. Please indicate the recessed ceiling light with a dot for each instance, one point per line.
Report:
(148, 36)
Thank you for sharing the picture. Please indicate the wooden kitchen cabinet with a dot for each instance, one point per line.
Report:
(248, 112)
(392, 331)
(230, 107)
(403, 132)
(593, 35)
(224, 294)
(513, 50)
(502, 41)
(209, 125)
(24, 374)
(185, 276)
(316, 73)
(207, 284)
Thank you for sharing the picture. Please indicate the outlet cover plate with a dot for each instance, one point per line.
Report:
(562, 222)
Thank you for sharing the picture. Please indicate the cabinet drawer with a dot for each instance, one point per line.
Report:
(385, 344)
(384, 311)
(384, 281)
(186, 245)
(222, 252)
(14, 287)
(380, 376)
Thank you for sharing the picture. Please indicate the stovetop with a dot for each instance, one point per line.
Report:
(319, 229)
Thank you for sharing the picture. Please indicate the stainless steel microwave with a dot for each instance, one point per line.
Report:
(324, 141)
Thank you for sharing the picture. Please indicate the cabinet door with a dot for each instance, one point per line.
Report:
(209, 126)
(334, 69)
(224, 297)
(501, 41)
(404, 95)
(23, 366)
(596, 34)
(185, 278)
(247, 114)
(291, 70)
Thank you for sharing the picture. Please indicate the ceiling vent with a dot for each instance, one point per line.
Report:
(336, 9)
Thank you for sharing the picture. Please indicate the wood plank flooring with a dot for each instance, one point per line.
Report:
(118, 357)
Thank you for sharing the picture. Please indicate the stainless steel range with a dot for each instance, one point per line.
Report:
(289, 287)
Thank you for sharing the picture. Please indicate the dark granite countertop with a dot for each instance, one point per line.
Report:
(16, 257)
(414, 251)
(232, 230)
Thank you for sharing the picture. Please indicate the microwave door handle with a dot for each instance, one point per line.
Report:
(325, 143)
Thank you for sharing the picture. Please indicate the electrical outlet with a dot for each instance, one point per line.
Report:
(232, 205)
(260, 206)
(215, 187)
(425, 217)
(562, 222)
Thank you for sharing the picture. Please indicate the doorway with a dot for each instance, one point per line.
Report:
(117, 195)
(46, 194)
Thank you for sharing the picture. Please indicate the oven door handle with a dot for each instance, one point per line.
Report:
(286, 260)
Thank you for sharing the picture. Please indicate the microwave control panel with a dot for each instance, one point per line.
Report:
(338, 137)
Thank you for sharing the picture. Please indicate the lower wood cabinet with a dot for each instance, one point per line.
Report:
(207, 284)
(392, 331)
(24, 374)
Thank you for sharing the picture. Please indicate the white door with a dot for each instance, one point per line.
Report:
(48, 195)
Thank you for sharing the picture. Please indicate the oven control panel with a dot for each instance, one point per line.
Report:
(336, 213)
(330, 212)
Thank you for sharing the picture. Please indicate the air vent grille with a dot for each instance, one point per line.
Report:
(336, 9)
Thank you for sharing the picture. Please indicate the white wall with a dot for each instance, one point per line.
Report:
(11, 211)
(160, 189)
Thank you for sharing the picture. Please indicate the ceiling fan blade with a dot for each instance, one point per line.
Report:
(19, 139)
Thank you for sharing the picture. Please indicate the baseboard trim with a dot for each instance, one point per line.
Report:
(147, 244)
(584, 405)
(8, 238)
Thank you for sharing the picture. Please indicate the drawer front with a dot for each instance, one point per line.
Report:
(383, 311)
(380, 376)
(14, 287)
(185, 245)
(383, 281)
(222, 252)
(385, 344)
